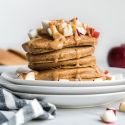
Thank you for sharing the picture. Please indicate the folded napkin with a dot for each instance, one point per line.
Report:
(16, 111)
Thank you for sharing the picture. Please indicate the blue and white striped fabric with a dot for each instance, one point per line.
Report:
(16, 111)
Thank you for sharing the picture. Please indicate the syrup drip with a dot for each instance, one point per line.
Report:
(56, 60)
(77, 63)
(77, 38)
(77, 57)
(56, 45)
(56, 75)
(77, 76)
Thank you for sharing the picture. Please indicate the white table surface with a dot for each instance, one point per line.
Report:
(86, 116)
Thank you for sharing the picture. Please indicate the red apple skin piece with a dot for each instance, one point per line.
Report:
(96, 34)
(106, 72)
(113, 109)
(116, 57)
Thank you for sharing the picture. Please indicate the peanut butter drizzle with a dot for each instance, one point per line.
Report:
(77, 57)
(77, 63)
(59, 42)
(56, 60)
(77, 38)
(78, 53)
(77, 76)
(56, 75)
(56, 44)
(59, 56)
(58, 37)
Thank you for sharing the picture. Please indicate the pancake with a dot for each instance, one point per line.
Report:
(88, 73)
(47, 44)
(61, 55)
(82, 62)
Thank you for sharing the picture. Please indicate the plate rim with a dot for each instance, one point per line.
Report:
(102, 94)
(62, 83)
(62, 90)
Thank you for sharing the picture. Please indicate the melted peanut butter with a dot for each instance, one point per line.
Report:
(77, 38)
(56, 75)
(61, 55)
(77, 76)
(78, 52)
(56, 60)
(46, 44)
(56, 45)
(77, 57)
(77, 63)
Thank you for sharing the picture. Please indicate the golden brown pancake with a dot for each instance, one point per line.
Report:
(61, 55)
(46, 44)
(88, 73)
(82, 62)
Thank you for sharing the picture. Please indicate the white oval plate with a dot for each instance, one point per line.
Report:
(61, 90)
(76, 101)
(12, 77)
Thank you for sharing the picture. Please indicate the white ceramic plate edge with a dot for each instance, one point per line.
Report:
(8, 76)
(76, 101)
(61, 90)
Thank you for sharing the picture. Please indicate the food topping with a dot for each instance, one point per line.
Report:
(109, 116)
(27, 76)
(64, 28)
(122, 107)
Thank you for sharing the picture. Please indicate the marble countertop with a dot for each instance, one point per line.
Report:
(87, 116)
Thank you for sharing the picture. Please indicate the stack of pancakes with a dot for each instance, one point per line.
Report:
(63, 50)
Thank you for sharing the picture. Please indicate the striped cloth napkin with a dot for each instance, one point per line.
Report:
(16, 111)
